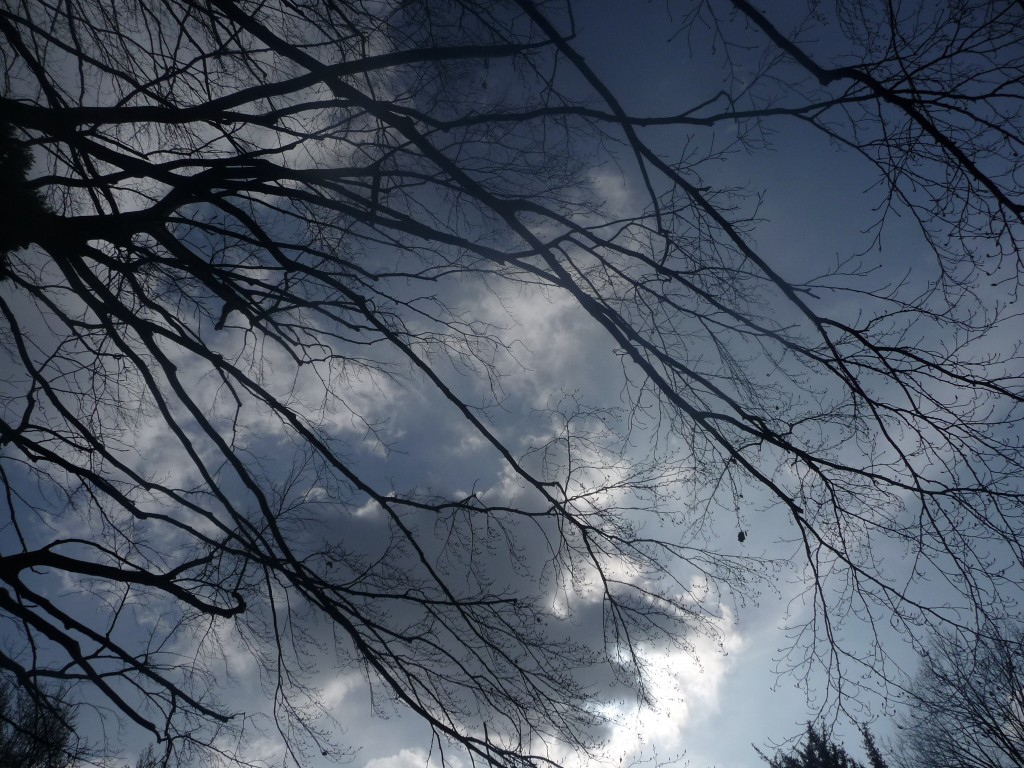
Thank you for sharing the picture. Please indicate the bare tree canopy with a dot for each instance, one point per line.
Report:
(966, 705)
(244, 230)
(36, 731)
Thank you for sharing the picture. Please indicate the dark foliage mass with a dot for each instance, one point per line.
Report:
(819, 751)
(244, 235)
(23, 206)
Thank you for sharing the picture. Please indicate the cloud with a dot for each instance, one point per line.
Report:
(413, 758)
(615, 192)
(337, 690)
(687, 690)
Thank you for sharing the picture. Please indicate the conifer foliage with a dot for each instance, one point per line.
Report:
(819, 751)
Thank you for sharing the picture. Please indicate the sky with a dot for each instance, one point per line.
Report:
(726, 693)
(819, 205)
(732, 694)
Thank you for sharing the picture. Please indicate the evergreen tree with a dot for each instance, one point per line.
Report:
(22, 206)
(819, 751)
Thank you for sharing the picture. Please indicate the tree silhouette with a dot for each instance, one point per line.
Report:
(261, 223)
(36, 732)
(819, 751)
(966, 705)
(22, 206)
